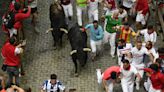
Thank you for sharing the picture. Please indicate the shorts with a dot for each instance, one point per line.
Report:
(34, 10)
(140, 18)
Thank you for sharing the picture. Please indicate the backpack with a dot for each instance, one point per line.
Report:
(9, 19)
(58, 83)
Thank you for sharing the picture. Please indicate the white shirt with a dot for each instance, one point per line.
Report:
(93, 5)
(128, 76)
(127, 48)
(138, 55)
(154, 53)
(149, 37)
(123, 15)
(33, 4)
(55, 87)
(128, 3)
(17, 51)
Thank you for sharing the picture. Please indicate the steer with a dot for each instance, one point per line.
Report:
(58, 24)
(78, 41)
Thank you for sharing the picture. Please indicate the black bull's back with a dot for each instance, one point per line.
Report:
(57, 19)
(77, 38)
(78, 41)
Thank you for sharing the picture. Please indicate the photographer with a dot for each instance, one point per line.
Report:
(11, 55)
(13, 88)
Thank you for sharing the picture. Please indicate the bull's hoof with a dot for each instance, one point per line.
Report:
(76, 75)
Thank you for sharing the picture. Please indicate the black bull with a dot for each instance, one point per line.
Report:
(58, 24)
(78, 41)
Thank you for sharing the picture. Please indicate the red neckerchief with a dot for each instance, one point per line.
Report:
(116, 18)
(128, 68)
(92, 0)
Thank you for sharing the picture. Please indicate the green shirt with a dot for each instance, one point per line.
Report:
(81, 1)
(111, 23)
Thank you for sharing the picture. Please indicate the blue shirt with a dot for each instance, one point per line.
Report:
(95, 34)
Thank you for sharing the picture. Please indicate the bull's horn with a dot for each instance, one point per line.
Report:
(62, 29)
(72, 52)
(86, 49)
(50, 29)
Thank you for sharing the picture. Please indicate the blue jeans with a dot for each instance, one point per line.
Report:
(12, 72)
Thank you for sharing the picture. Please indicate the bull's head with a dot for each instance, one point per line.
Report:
(84, 49)
(56, 6)
(61, 29)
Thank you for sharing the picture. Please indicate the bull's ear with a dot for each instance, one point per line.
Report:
(87, 49)
(72, 52)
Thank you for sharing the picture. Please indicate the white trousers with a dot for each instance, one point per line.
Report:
(153, 90)
(140, 18)
(147, 84)
(127, 87)
(109, 82)
(80, 11)
(110, 37)
(68, 10)
(139, 68)
(95, 45)
(93, 15)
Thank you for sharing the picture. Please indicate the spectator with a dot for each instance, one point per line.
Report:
(14, 88)
(81, 8)
(10, 53)
(110, 32)
(96, 36)
(68, 10)
(19, 17)
(93, 10)
(12, 3)
(15, 17)
(149, 34)
(109, 77)
(128, 73)
(52, 85)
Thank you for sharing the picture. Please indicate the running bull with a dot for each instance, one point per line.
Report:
(58, 23)
(78, 41)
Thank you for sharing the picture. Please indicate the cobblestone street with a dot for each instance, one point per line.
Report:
(40, 59)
